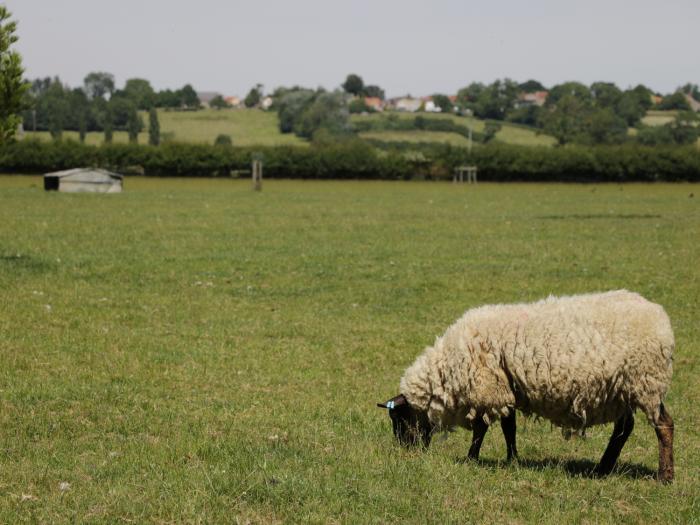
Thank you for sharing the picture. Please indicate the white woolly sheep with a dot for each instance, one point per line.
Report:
(577, 361)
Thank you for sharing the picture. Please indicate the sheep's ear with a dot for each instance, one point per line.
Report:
(394, 402)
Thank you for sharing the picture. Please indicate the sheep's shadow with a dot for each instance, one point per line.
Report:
(583, 468)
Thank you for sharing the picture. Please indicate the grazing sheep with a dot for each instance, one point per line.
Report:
(577, 361)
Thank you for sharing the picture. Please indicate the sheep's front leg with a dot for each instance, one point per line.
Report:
(479, 431)
(664, 433)
(623, 429)
(508, 427)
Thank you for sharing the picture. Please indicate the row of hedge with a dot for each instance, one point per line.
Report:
(418, 123)
(359, 160)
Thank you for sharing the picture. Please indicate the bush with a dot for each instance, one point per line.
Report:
(223, 140)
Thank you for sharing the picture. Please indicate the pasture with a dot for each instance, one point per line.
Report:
(246, 127)
(193, 351)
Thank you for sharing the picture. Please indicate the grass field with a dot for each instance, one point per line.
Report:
(508, 134)
(416, 136)
(246, 127)
(192, 351)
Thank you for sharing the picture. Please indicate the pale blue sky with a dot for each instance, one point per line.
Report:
(404, 46)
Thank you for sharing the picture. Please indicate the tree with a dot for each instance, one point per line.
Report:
(134, 125)
(252, 99)
(13, 89)
(140, 92)
(353, 84)
(685, 128)
(605, 94)
(374, 91)
(290, 105)
(57, 108)
(108, 127)
(675, 101)
(98, 84)
(570, 89)
(218, 102)
(153, 127)
(443, 102)
(188, 97)
(358, 106)
(567, 120)
(495, 100)
(531, 86)
(603, 126)
(632, 106)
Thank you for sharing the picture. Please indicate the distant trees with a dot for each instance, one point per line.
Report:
(675, 101)
(305, 112)
(443, 102)
(373, 91)
(353, 84)
(140, 92)
(218, 102)
(98, 85)
(12, 85)
(531, 86)
(494, 101)
(254, 96)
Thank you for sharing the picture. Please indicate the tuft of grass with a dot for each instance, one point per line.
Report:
(193, 351)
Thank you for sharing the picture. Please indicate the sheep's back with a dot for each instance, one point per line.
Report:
(582, 360)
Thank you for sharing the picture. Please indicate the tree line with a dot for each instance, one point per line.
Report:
(98, 106)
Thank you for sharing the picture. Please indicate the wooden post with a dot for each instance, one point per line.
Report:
(257, 175)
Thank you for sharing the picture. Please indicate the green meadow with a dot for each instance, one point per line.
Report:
(191, 351)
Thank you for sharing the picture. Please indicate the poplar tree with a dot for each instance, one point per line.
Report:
(153, 127)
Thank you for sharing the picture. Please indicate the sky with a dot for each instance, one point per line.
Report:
(406, 46)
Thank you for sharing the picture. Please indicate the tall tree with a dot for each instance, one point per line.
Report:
(140, 92)
(253, 97)
(353, 84)
(12, 87)
(189, 97)
(153, 127)
(134, 125)
(99, 84)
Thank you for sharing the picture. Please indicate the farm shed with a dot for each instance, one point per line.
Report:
(91, 180)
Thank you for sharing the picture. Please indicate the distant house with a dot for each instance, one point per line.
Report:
(234, 102)
(407, 104)
(429, 105)
(538, 98)
(83, 180)
(205, 97)
(266, 103)
(656, 99)
(376, 103)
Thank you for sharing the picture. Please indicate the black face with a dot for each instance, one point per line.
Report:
(411, 427)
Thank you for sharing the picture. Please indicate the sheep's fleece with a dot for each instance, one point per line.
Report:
(577, 361)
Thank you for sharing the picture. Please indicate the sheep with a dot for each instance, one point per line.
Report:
(576, 361)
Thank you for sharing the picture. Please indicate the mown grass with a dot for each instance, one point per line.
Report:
(192, 351)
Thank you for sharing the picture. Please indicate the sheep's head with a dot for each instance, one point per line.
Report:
(411, 426)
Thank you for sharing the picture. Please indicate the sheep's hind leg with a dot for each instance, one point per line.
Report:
(664, 433)
(508, 427)
(479, 431)
(623, 429)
